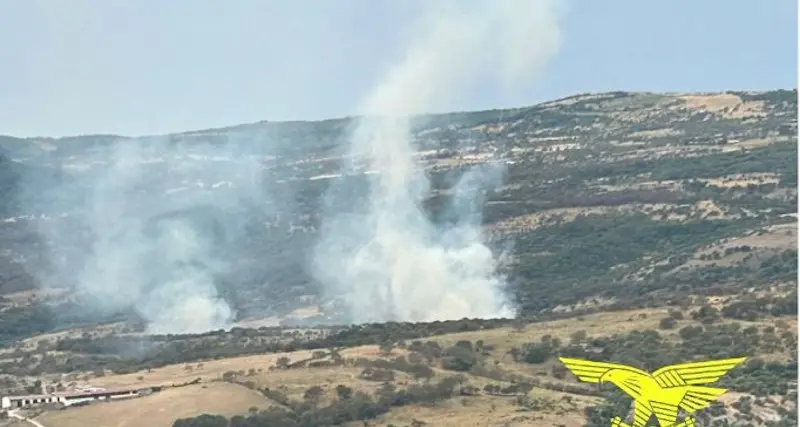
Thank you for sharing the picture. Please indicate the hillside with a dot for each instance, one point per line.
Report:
(637, 227)
(669, 190)
(460, 373)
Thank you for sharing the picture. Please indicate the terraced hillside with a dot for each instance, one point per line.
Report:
(636, 227)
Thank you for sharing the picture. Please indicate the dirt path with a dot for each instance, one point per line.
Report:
(14, 414)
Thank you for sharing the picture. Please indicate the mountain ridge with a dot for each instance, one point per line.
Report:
(349, 118)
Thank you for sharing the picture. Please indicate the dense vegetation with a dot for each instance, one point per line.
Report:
(573, 261)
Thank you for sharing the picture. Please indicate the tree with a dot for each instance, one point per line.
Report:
(578, 337)
(537, 352)
(559, 371)
(421, 371)
(689, 332)
(458, 363)
(465, 344)
(667, 323)
(675, 314)
(313, 394)
(416, 358)
(706, 314)
(386, 348)
(460, 357)
(344, 392)
(377, 374)
(204, 420)
(282, 362)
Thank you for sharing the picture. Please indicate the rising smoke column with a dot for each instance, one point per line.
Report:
(386, 260)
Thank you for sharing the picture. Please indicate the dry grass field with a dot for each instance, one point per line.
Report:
(295, 382)
(594, 324)
(160, 409)
(544, 407)
(482, 411)
(214, 369)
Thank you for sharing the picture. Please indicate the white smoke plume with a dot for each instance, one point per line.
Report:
(145, 230)
(388, 261)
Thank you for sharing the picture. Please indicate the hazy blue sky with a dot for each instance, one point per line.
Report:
(153, 66)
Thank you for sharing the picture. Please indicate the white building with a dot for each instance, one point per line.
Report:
(11, 402)
(67, 399)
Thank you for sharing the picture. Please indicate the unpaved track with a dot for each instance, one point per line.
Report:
(14, 414)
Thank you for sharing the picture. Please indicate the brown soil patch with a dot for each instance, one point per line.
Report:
(655, 133)
(743, 180)
(29, 297)
(643, 185)
(766, 413)
(764, 244)
(597, 324)
(574, 99)
(780, 236)
(294, 382)
(726, 104)
(483, 411)
(98, 330)
(268, 322)
(305, 312)
(183, 373)
(713, 103)
(747, 144)
(491, 128)
(657, 211)
(160, 409)
(214, 369)
(525, 223)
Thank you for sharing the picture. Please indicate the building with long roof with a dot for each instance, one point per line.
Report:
(69, 398)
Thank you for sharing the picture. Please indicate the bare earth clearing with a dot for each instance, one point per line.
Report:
(160, 409)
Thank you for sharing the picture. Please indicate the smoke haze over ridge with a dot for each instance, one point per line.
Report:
(387, 261)
(151, 224)
(144, 225)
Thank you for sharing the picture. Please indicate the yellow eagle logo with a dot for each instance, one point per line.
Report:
(661, 393)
